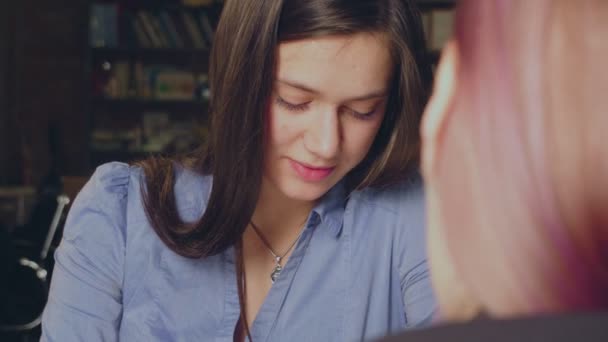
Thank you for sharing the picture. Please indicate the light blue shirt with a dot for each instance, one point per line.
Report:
(358, 272)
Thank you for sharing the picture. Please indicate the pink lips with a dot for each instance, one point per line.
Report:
(310, 173)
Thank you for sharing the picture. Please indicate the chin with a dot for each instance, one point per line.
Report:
(302, 191)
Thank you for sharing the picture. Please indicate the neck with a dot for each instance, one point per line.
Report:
(277, 216)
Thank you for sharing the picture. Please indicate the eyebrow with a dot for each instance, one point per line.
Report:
(372, 95)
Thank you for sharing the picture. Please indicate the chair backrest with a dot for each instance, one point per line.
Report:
(62, 202)
(27, 280)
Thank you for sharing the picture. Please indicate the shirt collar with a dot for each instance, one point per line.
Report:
(330, 209)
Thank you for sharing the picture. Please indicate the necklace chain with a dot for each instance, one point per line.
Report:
(277, 258)
(267, 244)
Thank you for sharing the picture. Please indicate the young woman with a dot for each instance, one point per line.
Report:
(255, 236)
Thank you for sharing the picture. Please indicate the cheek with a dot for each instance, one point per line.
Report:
(455, 301)
(359, 136)
(282, 127)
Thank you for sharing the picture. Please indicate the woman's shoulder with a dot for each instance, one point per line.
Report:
(395, 213)
(108, 180)
(113, 197)
(98, 212)
(117, 183)
(108, 218)
(108, 246)
(105, 192)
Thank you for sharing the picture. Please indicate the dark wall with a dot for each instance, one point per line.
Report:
(46, 87)
(6, 43)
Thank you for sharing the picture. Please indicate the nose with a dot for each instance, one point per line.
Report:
(323, 136)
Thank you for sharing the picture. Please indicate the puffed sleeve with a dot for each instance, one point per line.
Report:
(85, 300)
(418, 297)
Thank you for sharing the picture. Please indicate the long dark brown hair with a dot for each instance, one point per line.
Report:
(241, 75)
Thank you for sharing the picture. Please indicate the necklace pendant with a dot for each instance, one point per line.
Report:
(275, 273)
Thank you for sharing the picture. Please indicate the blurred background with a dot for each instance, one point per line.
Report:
(87, 82)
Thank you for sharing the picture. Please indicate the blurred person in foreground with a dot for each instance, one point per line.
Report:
(515, 159)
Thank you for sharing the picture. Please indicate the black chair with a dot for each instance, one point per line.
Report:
(24, 292)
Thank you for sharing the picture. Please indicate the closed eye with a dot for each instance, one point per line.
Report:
(362, 116)
(291, 106)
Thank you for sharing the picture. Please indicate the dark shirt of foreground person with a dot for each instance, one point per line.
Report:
(558, 328)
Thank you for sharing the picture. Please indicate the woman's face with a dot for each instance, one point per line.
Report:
(328, 102)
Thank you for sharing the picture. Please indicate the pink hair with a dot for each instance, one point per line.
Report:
(524, 167)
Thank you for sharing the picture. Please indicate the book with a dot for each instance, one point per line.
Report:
(441, 29)
(195, 34)
(156, 131)
(103, 25)
(142, 38)
(180, 27)
(174, 37)
(427, 25)
(121, 73)
(174, 85)
(142, 82)
(206, 27)
(162, 34)
(149, 29)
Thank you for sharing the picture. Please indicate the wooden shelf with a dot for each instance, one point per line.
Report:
(186, 55)
(139, 104)
(156, 5)
(425, 4)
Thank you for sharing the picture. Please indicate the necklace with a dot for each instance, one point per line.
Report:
(277, 258)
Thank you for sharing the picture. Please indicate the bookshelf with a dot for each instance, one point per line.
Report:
(172, 55)
(146, 76)
(134, 105)
(435, 3)
(438, 21)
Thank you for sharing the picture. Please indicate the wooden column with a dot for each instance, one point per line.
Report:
(50, 44)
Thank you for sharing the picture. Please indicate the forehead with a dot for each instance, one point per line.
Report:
(337, 66)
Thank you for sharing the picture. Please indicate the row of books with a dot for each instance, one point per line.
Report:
(155, 132)
(112, 26)
(122, 80)
(178, 29)
(438, 27)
